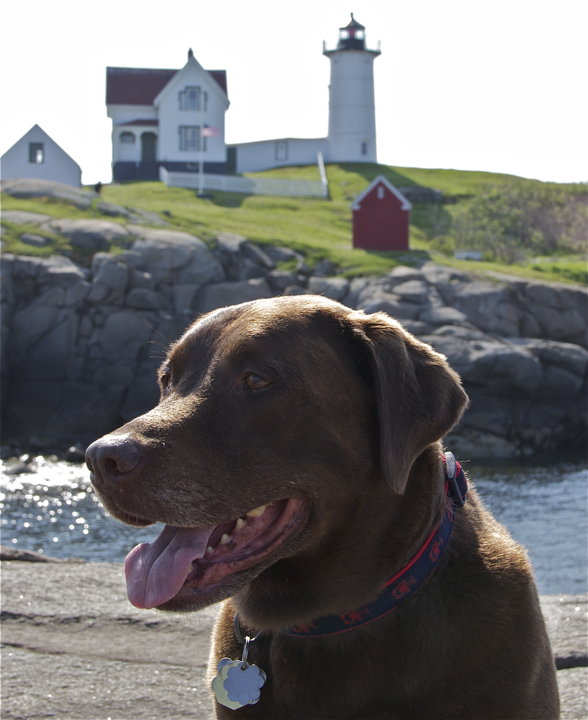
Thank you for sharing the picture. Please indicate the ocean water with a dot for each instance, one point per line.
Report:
(54, 511)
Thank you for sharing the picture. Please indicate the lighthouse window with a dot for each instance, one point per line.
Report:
(36, 153)
(364, 148)
(282, 150)
(127, 137)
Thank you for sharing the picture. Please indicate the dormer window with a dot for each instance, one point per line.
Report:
(127, 137)
(36, 153)
(191, 98)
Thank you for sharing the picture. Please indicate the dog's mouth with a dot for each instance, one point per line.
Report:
(196, 560)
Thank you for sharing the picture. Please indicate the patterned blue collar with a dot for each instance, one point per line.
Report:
(408, 580)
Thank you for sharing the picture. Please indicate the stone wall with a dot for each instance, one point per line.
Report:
(81, 347)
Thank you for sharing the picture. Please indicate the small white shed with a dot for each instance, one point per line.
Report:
(36, 155)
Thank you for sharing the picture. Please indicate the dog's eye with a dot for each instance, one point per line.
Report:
(255, 382)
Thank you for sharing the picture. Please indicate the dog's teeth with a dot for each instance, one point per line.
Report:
(209, 549)
(240, 523)
(225, 539)
(257, 512)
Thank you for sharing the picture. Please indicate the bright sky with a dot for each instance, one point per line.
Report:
(497, 86)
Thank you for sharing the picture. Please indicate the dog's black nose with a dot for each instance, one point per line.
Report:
(112, 458)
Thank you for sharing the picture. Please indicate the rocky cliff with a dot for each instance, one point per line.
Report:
(81, 346)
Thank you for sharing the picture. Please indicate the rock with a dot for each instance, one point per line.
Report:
(442, 316)
(566, 619)
(233, 293)
(415, 291)
(23, 217)
(29, 187)
(281, 254)
(34, 240)
(56, 270)
(145, 299)
(72, 644)
(112, 210)
(93, 235)
(125, 335)
(167, 250)
(323, 268)
(401, 274)
(279, 280)
(17, 467)
(573, 693)
(334, 288)
(109, 283)
(11, 553)
(146, 217)
(296, 290)
(257, 255)
(569, 357)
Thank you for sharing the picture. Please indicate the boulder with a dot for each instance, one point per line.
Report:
(442, 316)
(34, 240)
(165, 252)
(233, 293)
(109, 283)
(92, 235)
(145, 299)
(24, 217)
(334, 288)
(281, 254)
(279, 280)
(323, 268)
(30, 187)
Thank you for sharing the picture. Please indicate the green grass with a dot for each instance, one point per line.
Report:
(319, 228)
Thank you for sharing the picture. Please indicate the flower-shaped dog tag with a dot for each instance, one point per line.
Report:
(237, 684)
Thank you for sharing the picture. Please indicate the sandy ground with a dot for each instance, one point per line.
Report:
(73, 648)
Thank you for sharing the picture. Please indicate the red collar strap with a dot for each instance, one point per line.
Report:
(408, 580)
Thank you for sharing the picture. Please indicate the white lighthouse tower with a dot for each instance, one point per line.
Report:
(352, 113)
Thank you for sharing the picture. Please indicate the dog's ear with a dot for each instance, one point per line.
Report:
(419, 397)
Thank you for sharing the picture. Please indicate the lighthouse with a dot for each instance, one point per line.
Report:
(352, 113)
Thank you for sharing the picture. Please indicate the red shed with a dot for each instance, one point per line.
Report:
(381, 216)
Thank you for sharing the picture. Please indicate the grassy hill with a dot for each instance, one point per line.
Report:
(321, 228)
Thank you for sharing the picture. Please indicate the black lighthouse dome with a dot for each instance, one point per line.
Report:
(352, 36)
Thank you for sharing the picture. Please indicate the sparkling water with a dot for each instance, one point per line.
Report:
(53, 510)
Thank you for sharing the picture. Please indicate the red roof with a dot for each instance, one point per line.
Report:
(140, 86)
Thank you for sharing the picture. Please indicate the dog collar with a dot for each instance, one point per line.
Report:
(409, 579)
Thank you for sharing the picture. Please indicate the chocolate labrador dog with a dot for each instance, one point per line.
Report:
(295, 459)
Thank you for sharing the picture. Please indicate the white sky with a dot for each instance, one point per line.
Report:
(466, 84)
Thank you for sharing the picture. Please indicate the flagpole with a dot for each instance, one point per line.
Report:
(201, 149)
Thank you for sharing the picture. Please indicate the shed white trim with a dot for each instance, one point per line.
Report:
(406, 205)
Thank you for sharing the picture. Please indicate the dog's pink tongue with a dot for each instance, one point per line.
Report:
(156, 571)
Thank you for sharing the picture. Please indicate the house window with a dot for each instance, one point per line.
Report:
(36, 153)
(282, 150)
(380, 192)
(190, 139)
(190, 98)
(127, 137)
(364, 148)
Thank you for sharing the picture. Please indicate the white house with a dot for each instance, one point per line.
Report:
(36, 155)
(166, 118)
(352, 114)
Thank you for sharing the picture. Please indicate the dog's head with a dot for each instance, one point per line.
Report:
(279, 455)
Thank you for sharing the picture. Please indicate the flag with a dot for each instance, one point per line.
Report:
(209, 131)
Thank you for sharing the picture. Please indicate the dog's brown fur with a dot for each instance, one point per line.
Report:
(350, 421)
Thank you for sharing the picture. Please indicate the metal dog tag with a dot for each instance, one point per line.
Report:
(238, 684)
